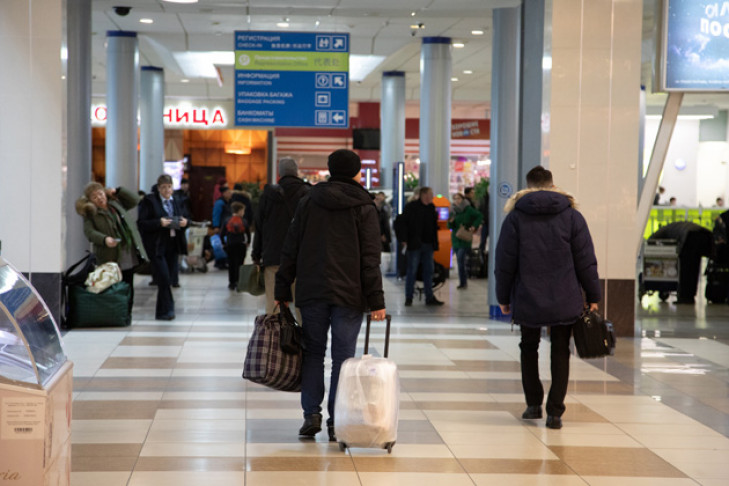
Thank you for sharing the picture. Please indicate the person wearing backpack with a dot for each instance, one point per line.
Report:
(235, 235)
(275, 211)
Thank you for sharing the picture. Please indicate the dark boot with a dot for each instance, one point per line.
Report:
(532, 412)
(312, 425)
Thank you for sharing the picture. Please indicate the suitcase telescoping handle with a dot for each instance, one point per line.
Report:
(388, 317)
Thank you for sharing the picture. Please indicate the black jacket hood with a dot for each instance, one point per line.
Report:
(340, 193)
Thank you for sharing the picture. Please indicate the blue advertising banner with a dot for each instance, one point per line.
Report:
(696, 45)
(292, 79)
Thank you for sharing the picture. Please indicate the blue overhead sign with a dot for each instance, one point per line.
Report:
(295, 79)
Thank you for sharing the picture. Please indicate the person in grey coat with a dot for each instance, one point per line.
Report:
(545, 259)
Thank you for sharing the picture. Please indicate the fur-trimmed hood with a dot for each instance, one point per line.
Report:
(548, 202)
(85, 208)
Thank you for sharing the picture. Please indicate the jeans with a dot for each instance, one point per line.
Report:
(560, 367)
(423, 255)
(317, 319)
(461, 254)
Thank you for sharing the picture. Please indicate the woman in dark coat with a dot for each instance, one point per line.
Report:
(544, 261)
(105, 226)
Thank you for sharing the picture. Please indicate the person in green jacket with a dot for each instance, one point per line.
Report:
(105, 225)
(466, 216)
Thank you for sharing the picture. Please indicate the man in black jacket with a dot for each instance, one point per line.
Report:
(332, 250)
(162, 226)
(545, 260)
(418, 231)
(275, 212)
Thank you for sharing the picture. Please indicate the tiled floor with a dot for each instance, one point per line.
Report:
(163, 403)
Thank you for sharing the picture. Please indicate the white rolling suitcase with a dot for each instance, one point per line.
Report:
(368, 399)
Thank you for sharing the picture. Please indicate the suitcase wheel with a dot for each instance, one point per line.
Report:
(342, 446)
(663, 295)
(389, 446)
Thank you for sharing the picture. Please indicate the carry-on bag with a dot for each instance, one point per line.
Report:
(70, 279)
(368, 399)
(109, 308)
(594, 336)
(250, 279)
(267, 362)
(717, 283)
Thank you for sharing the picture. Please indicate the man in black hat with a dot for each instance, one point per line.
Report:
(332, 250)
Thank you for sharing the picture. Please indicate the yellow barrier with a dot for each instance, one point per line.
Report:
(661, 216)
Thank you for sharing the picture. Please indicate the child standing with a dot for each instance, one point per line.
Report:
(236, 236)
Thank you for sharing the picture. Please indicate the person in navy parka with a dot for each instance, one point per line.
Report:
(544, 261)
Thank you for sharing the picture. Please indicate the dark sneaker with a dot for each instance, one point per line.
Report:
(532, 412)
(433, 301)
(312, 425)
(332, 435)
(554, 422)
(461, 287)
(408, 302)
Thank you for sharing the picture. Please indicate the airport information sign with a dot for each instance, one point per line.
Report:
(291, 79)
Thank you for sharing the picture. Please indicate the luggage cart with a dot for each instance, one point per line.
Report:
(195, 260)
(660, 271)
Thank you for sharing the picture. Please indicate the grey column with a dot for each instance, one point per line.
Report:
(504, 126)
(78, 123)
(122, 100)
(392, 124)
(151, 126)
(532, 49)
(435, 113)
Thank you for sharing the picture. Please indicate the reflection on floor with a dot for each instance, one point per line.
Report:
(162, 403)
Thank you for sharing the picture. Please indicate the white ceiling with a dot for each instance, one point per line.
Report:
(381, 27)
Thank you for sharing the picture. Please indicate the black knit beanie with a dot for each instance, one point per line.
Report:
(344, 163)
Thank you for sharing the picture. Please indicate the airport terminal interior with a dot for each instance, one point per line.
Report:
(163, 403)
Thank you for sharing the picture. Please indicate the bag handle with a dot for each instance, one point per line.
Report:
(77, 264)
(388, 318)
(285, 312)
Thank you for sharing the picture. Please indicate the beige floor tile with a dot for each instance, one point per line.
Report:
(119, 396)
(124, 410)
(387, 463)
(526, 450)
(147, 352)
(557, 438)
(204, 395)
(201, 414)
(100, 478)
(516, 466)
(682, 442)
(290, 478)
(527, 480)
(452, 397)
(285, 413)
(413, 479)
(127, 363)
(300, 463)
(197, 431)
(187, 478)
(513, 436)
(106, 450)
(230, 372)
(109, 431)
(105, 463)
(194, 449)
(128, 372)
(629, 481)
(295, 449)
(436, 451)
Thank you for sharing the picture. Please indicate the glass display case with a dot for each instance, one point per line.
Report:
(36, 386)
(31, 350)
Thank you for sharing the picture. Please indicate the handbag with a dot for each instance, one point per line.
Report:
(266, 363)
(103, 277)
(109, 308)
(464, 234)
(251, 279)
(292, 334)
(594, 336)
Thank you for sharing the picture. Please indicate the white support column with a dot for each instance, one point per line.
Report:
(151, 126)
(392, 124)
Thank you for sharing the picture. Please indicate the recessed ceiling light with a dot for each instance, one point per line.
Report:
(184, 80)
(459, 45)
(477, 32)
(467, 71)
(180, 1)
(282, 25)
(146, 21)
(454, 79)
(412, 14)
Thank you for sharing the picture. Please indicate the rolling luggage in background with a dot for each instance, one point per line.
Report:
(367, 403)
(717, 283)
(594, 336)
(476, 264)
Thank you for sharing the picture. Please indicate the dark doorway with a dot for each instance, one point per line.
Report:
(202, 183)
